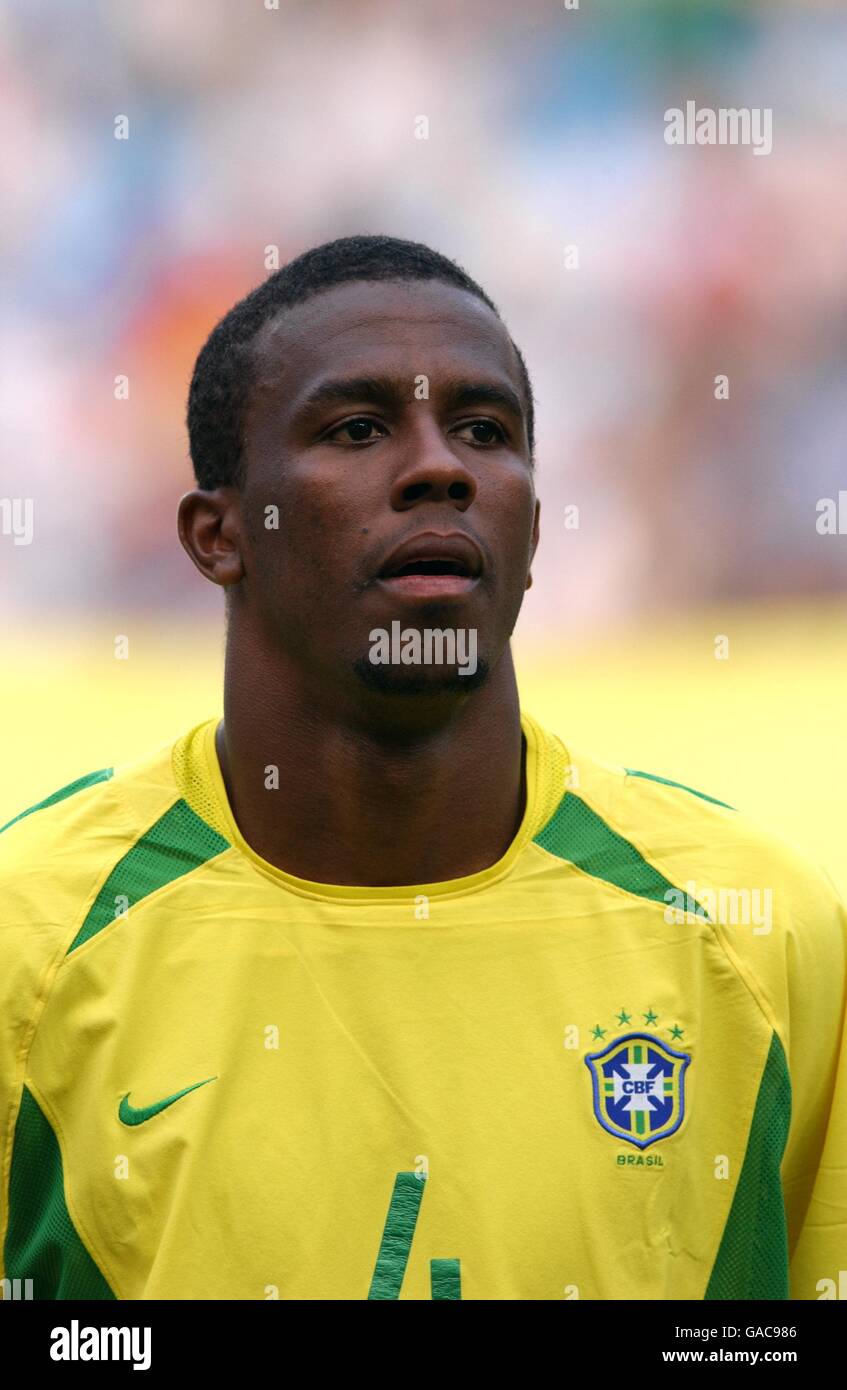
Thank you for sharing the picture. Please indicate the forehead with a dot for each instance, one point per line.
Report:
(393, 326)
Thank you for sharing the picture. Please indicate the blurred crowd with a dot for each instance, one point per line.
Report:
(251, 125)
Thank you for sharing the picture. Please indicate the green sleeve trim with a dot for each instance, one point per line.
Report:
(42, 1243)
(666, 782)
(79, 785)
(752, 1261)
(176, 844)
(578, 834)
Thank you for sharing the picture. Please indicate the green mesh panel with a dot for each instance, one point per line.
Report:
(666, 782)
(578, 834)
(42, 1243)
(752, 1261)
(79, 785)
(178, 842)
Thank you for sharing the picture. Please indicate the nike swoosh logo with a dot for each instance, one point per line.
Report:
(129, 1115)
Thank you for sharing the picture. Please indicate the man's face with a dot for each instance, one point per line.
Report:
(387, 426)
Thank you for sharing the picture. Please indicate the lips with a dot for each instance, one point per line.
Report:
(434, 556)
(432, 566)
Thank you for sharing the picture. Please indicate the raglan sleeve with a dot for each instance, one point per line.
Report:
(30, 948)
(814, 1169)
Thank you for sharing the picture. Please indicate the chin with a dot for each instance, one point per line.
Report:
(420, 680)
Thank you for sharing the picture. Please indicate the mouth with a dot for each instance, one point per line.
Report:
(433, 566)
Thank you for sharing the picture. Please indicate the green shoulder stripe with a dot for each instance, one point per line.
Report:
(666, 782)
(42, 1243)
(178, 842)
(752, 1261)
(79, 785)
(578, 834)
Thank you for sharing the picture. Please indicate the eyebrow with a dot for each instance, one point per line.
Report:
(394, 391)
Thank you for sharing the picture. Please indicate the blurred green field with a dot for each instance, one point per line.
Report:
(763, 730)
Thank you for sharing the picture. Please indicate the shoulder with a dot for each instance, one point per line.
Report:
(54, 853)
(773, 910)
(698, 836)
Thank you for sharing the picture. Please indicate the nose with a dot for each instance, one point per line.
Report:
(433, 473)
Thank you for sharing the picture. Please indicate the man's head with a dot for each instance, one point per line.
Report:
(364, 412)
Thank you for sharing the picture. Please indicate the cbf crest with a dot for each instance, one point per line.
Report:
(639, 1088)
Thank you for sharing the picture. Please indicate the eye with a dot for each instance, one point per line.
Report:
(358, 430)
(483, 430)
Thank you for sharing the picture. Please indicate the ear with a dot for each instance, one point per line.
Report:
(209, 525)
(535, 538)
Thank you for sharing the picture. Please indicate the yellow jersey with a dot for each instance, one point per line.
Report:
(610, 1066)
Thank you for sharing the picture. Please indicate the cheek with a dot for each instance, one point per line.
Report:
(286, 522)
(519, 517)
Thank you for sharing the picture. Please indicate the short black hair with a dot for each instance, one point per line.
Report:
(223, 372)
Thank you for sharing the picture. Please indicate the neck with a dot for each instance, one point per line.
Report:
(363, 799)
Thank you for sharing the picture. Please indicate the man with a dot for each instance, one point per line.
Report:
(376, 989)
